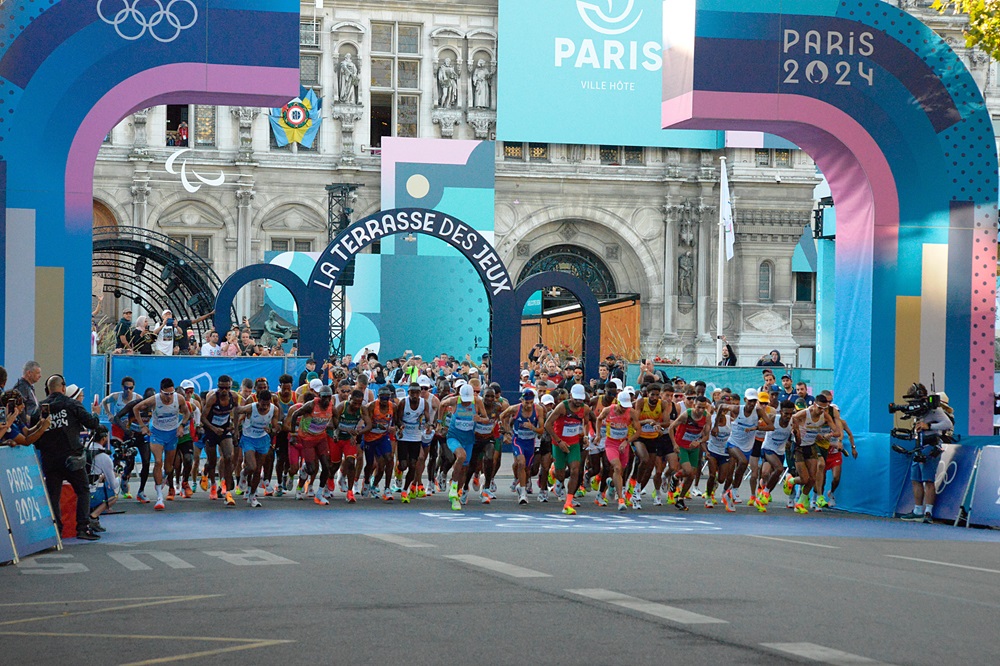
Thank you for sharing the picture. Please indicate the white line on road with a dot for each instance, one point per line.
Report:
(401, 541)
(801, 543)
(820, 653)
(678, 615)
(511, 570)
(944, 564)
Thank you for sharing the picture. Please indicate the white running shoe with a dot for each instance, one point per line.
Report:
(493, 488)
(513, 486)
(657, 501)
(790, 504)
(736, 496)
(830, 501)
(522, 497)
(543, 496)
(253, 501)
(636, 504)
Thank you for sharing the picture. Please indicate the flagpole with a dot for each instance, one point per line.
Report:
(721, 291)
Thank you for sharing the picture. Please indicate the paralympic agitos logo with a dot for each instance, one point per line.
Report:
(619, 18)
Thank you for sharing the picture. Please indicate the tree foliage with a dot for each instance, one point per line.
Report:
(984, 22)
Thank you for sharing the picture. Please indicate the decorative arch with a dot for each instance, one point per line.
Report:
(577, 261)
(104, 217)
(286, 278)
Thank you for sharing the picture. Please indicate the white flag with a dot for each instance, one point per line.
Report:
(726, 214)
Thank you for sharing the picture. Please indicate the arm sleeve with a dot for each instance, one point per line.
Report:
(937, 421)
(89, 420)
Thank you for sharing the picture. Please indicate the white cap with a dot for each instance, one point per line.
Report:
(625, 399)
(547, 399)
(400, 393)
(73, 391)
(750, 394)
(459, 383)
(473, 370)
(424, 380)
(466, 394)
(187, 384)
(578, 392)
(629, 389)
(316, 385)
(525, 373)
(617, 382)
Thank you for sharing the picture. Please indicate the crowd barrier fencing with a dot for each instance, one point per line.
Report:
(24, 503)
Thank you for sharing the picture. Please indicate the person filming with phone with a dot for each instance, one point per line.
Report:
(62, 452)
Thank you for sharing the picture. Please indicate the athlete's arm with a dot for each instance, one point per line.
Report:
(206, 410)
(672, 428)
(600, 419)
(295, 414)
(145, 404)
(550, 421)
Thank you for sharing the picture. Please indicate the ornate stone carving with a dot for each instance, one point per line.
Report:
(140, 139)
(685, 277)
(446, 77)
(245, 115)
(612, 252)
(522, 250)
(245, 195)
(482, 121)
(347, 80)
(568, 231)
(766, 321)
(447, 119)
(348, 115)
(482, 86)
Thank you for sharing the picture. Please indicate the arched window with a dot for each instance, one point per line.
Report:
(765, 282)
(577, 261)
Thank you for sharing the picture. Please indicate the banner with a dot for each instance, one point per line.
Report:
(204, 371)
(986, 496)
(738, 379)
(594, 67)
(25, 504)
(954, 473)
(7, 553)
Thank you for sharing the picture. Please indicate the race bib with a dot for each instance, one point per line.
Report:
(618, 432)
(572, 429)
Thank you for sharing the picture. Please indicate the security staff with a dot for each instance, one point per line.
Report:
(62, 453)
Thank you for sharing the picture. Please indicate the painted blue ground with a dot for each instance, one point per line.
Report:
(307, 520)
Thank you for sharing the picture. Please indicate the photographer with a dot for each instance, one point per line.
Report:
(62, 453)
(931, 421)
(16, 434)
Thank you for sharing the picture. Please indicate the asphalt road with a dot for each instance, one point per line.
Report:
(297, 583)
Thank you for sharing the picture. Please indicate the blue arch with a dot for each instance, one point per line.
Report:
(281, 275)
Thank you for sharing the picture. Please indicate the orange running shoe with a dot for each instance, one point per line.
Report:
(350, 497)
(170, 493)
(186, 489)
(213, 492)
(204, 482)
(229, 500)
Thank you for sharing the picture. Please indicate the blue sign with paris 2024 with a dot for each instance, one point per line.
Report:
(25, 502)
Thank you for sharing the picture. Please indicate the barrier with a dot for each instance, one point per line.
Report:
(954, 474)
(204, 371)
(98, 376)
(736, 378)
(30, 521)
(985, 507)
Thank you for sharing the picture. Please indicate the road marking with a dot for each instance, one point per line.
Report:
(511, 570)
(944, 564)
(145, 604)
(131, 562)
(820, 653)
(678, 615)
(81, 601)
(801, 543)
(249, 557)
(44, 565)
(401, 541)
(244, 643)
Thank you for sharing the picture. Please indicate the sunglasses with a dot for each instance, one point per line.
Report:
(128, 388)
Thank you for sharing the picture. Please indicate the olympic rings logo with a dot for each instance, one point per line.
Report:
(164, 25)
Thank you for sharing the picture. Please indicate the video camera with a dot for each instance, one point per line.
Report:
(918, 403)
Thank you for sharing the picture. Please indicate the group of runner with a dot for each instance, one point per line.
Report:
(312, 440)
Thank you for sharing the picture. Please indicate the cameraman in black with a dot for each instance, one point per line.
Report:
(931, 421)
(62, 452)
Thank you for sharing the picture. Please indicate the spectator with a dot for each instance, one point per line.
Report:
(212, 348)
(310, 367)
(165, 333)
(62, 453)
(26, 387)
(231, 345)
(17, 434)
(728, 355)
(247, 345)
(122, 330)
(185, 332)
(772, 360)
(3, 378)
(142, 338)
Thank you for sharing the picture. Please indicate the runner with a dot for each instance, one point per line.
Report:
(260, 418)
(468, 411)
(566, 425)
(778, 435)
(690, 430)
(427, 440)
(543, 453)
(118, 408)
(313, 419)
(352, 423)
(764, 398)
(740, 444)
(285, 401)
(652, 446)
(619, 422)
(718, 456)
(808, 425)
(169, 416)
(378, 448)
(482, 452)
(413, 418)
(524, 421)
(216, 419)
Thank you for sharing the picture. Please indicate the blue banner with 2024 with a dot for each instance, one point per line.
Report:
(203, 371)
(25, 504)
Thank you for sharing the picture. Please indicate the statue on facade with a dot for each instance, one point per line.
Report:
(447, 79)
(347, 80)
(481, 94)
(273, 331)
(685, 275)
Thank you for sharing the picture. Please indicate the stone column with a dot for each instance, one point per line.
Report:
(245, 115)
(244, 199)
(348, 115)
(669, 270)
(704, 259)
(140, 190)
(140, 138)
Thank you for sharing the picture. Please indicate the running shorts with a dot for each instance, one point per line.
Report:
(343, 448)
(259, 445)
(659, 446)
(562, 459)
(689, 456)
(543, 446)
(805, 452)
(524, 447)
(454, 445)
(165, 438)
(378, 447)
(408, 450)
(755, 451)
(314, 447)
(617, 450)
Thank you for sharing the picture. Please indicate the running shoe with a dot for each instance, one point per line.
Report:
(601, 500)
(170, 494)
(681, 506)
(421, 491)
(204, 482)
(912, 517)
(552, 475)
(821, 502)
(319, 499)
(672, 497)
(485, 497)
(187, 490)
(253, 501)
(801, 508)
(475, 482)
(928, 519)
(752, 501)
(350, 497)
(595, 483)
(812, 505)
(709, 503)
(343, 484)
(387, 495)
(455, 504)
(159, 506)
(543, 496)
(728, 502)
(569, 510)
(636, 504)
(762, 508)
(831, 501)
(790, 504)
(405, 497)
(695, 491)
(580, 492)
(493, 488)
(621, 505)
(522, 498)
(299, 493)
(659, 502)
(513, 486)
(788, 485)
(575, 502)
(140, 497)
(393, 487)
(229, 500)
(464, 498)
(241, 487)
(279, 490)
(735, 496)
(453, 491)
(126, 495)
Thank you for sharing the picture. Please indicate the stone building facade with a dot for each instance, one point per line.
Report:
(646, 218)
